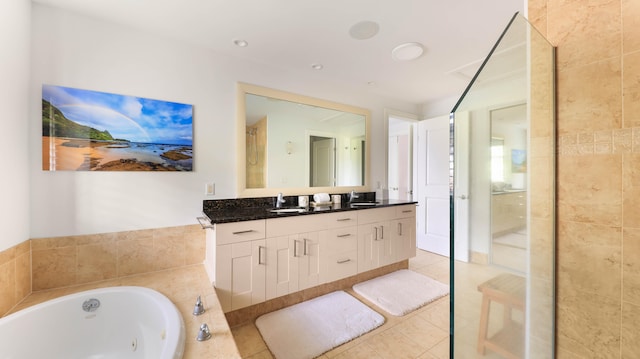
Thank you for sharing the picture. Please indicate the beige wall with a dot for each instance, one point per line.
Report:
(598, 94)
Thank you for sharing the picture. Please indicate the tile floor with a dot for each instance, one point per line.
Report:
(422, 334)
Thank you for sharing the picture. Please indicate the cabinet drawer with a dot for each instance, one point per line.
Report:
(341, 240)
(341, 265)
(239, 231)
(341, 219)
(277, 227)
(406, 211)
(376, 215)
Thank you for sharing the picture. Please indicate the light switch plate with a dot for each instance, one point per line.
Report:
(209, 189)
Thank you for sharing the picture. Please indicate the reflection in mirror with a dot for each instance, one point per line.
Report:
(292, 141)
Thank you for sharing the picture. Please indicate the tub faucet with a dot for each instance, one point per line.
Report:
(280, 200)
(199, 307)
(353, 195)
(203, 333)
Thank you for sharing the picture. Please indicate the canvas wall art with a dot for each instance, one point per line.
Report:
(85, 130)
(518, 161)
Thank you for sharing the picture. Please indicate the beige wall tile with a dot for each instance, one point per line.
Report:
(542, 261)
(631, 266)
(590, 189)
(97, 261)
(54, 268)
(55, 242)
(631, 88)
(7, 255)
(589, 97)
(7, 286)
(584, 32)
(600, 247)
(23, 276)
(168, 251)
(588, 325)
(631, 190)
(630, 26)
(630, 329)
(135, 256)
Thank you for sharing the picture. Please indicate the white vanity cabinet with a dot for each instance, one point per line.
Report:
(375, 235)
(240, 263)
(404, 227)
(293, 254)
(264, 259)
(339, 257)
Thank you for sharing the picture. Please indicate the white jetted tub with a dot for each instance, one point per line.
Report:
(108, 323)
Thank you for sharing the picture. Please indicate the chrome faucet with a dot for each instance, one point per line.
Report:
(280, 200)
(353, 195)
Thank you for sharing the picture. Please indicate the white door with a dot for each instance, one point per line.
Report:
(323, 162)
(433, 186)
(400, 161)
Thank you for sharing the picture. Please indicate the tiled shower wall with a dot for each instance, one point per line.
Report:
(47, 263)
(598, 237)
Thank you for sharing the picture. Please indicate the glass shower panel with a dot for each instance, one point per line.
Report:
(503, 297)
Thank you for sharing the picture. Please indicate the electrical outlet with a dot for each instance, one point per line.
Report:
(209, 189)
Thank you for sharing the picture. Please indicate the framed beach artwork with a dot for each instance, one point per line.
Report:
(86, 130)
(518, 161)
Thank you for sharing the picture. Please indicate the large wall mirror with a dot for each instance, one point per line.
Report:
(299, 145)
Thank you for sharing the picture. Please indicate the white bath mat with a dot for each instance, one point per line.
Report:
(402, 291)
(311, 328)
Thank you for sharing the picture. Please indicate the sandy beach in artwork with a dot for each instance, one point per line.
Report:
(64, 154)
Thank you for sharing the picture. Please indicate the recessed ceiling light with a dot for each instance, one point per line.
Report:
(371, 83)
(364, 30)
(317, 66)
(407, 51)
(241, 43)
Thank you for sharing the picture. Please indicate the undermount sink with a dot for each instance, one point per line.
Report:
(287, 210)
(363, 204)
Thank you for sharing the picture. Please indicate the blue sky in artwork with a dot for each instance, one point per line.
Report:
(125, 117)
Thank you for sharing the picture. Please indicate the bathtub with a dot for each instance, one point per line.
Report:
(114, 322)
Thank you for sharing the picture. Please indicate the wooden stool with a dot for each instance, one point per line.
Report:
(510, 291)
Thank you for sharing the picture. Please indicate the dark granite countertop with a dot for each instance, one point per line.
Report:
(248, 209)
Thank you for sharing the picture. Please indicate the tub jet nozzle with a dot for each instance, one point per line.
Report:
(199, 307)
(204, 333)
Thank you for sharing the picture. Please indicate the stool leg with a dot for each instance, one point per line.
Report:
(507, 315)
(484, 323)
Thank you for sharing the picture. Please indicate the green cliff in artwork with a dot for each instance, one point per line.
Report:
(55, 124)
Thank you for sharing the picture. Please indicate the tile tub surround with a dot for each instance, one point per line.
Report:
(182, 286)
(15, 275)
(68, 261)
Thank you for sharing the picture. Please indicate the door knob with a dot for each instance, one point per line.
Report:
(462, 196)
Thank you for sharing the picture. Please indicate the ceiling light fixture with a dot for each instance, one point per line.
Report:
(317, 66)
(407, 51)
(364, 30)
(241, 43)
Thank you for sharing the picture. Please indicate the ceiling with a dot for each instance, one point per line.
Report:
(295, 34)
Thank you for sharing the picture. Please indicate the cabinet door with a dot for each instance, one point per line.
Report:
(308, 257)
(241, 274)
(375, 246)
(404, 239)
(281, 266)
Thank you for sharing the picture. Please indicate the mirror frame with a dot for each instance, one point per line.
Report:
(242, 191)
